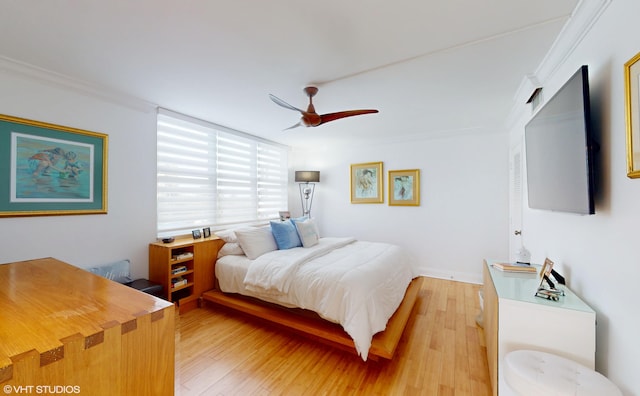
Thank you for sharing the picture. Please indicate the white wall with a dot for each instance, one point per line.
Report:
(87, 240)
(599, 254)
(463, 213)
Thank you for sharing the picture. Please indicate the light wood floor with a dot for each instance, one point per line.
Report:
(442, 352)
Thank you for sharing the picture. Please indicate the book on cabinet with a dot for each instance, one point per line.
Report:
(509, 267)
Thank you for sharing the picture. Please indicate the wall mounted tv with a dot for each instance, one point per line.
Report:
(559, 150)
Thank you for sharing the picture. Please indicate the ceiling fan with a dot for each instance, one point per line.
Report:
(312, 119)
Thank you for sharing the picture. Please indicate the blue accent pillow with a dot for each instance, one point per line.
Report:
(285, 234)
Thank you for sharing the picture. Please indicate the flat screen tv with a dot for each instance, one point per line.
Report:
(559, 150)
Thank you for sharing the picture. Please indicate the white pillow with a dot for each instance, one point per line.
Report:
(308, 232)
(228, 236)
(256, 241)
(230, 249)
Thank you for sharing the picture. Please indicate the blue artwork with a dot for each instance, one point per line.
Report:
(366, 183)
(50, 170)
(403, 188)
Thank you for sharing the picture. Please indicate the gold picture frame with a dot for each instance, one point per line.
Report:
(366, 183)
(404, 187)
(546, 268)
(632, 112)
(48, 169)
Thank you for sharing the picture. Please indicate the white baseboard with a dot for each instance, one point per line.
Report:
(466, 277)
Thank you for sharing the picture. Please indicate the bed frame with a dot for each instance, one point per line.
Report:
(308, 323)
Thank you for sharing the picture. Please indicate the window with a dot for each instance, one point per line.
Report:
(209, 175)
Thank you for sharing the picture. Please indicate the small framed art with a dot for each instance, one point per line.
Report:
(284, 215)
(404, 187)
(206, 232)
(547, 267)
(196, 234)
(366, 183)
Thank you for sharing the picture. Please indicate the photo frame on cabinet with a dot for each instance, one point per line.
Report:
(196, 234)
(366, 183)
(48, 169)
(284, 215)
(404, 187)
(547, 288)
(547, 267)
(206, 232)
(632, 115)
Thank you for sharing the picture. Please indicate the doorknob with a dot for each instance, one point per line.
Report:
(517, 232)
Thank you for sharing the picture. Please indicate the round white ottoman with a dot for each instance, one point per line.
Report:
(539, 373)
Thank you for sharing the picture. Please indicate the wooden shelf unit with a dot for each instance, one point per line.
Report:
(199, 264)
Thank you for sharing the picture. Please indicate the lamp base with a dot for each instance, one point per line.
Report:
(306, 197)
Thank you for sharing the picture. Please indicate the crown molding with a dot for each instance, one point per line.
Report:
(58, 80)
(583, 17)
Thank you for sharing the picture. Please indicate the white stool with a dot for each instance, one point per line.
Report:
(540, 373)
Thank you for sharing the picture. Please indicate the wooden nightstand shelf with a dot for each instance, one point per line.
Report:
(185, 268)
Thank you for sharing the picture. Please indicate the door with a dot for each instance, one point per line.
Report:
(515, 200)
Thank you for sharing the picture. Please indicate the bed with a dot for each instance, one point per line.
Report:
(355, 287)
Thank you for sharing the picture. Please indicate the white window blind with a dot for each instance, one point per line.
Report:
(211, 176)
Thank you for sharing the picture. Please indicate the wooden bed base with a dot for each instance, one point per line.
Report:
(383, 344)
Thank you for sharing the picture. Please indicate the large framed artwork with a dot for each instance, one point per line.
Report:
(404, 187)
(632, 108)
(366, 183)
(48, 169)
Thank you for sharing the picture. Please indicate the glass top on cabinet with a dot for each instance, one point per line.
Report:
(523, 287)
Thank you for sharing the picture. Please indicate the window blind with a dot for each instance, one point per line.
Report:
(212, 176)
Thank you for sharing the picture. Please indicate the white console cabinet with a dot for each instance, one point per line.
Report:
(515, 319)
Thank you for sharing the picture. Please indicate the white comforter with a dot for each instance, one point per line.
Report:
(357, 284)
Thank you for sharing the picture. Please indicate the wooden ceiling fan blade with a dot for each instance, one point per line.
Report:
(312, 119)
(343, 114)
(284, 104)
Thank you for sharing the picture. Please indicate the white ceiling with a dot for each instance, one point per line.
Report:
(430, 67)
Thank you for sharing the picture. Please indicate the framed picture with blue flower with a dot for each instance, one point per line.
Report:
(48, 169)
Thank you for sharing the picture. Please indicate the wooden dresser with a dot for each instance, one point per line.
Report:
(66, 330)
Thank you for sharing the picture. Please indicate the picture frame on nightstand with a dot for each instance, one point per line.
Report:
(547, 288)
(284, 215)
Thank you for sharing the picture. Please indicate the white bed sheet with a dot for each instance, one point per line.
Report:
(358, 284)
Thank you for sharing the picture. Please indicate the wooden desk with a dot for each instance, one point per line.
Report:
(62, 326)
